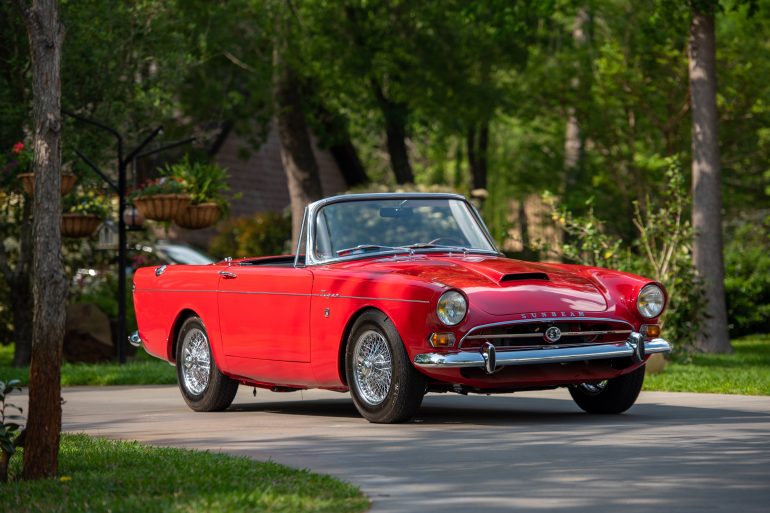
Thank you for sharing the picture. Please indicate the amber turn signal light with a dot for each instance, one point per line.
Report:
(650, 330)
(442, 339)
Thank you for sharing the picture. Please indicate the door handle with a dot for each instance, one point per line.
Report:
(227, 275)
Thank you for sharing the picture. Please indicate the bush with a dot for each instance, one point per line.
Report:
(747, 277)
(663, 251)
(267, 233)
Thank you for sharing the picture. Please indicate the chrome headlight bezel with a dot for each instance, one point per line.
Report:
(452, 307)
(651, 301)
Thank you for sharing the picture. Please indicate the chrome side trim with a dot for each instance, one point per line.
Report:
(249, 292)
(471, 359)
(541, 320)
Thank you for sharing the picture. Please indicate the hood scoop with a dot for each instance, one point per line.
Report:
(524, 277)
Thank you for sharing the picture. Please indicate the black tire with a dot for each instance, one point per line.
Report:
(212, 391)
(400, 400)
(615, 396)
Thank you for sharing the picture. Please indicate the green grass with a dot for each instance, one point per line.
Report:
(745, 371)
(141, 370)
(98, 475)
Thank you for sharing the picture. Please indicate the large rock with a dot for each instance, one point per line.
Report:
(87, 334)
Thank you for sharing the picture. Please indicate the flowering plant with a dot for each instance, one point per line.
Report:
(87, 202)
(18, 160)
(164, 185)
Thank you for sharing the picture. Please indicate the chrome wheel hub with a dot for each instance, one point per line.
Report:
(196, 361)
(372, 367)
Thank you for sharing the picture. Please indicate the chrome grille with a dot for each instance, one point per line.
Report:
(529, 334)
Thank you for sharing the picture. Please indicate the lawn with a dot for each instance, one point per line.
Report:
(143, 369)
(745, 371)
(98, 475)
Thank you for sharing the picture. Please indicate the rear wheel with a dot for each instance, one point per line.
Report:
(203, 386)
(384, 385)
(614, 395)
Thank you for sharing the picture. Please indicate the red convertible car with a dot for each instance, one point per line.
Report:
(391, 296)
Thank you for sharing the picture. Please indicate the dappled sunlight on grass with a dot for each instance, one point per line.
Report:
(745, 371)
(99, 475)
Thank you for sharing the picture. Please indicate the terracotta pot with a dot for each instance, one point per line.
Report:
(79, 225)
(162, 207)
(28, 182)
(195, 217)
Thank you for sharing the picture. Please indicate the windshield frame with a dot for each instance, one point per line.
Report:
(312, 210)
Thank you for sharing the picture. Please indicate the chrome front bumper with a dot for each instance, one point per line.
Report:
(489, 359)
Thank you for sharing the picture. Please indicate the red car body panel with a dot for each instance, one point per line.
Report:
(274, 325)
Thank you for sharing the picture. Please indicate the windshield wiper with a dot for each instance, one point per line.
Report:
(364, 248)
(464, 249)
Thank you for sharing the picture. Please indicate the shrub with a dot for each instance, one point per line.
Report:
(663, 251)
(747, 277)
(267, 233)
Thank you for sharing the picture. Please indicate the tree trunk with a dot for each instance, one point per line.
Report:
(49, 284)
(297, 155)
(706, 182)
(346, 157)
(573, 139)
(395, 115)
(477, 143)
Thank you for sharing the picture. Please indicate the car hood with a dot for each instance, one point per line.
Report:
(501, 286)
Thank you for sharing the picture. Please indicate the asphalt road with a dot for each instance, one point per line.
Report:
(525, 452)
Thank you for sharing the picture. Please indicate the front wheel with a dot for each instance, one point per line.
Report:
(614, 395)
(384, 385)
(203, 386)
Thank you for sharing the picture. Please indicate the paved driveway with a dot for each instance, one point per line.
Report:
(525, 452)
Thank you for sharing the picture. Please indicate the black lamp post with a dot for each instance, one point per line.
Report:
(120, 190)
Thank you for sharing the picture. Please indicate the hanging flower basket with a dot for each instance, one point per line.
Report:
(28, 182)
(79, 225)
(195, 217)
(162, 207)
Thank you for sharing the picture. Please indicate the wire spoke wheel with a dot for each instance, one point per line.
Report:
(372, 367)
(196, 361)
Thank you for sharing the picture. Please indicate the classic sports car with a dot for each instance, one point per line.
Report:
(391, 296)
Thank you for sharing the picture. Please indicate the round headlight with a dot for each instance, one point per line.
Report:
(651, 301)
(451, 307)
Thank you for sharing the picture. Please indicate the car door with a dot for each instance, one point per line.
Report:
(264, 312)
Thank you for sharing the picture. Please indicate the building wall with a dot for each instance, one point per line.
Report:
(261, 182)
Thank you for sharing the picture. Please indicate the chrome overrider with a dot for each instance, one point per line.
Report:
(489, 359)
(134, 339)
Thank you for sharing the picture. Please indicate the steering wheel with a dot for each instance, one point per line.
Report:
(447, 241)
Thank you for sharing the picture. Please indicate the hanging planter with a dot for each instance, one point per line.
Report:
(162, 207)
(79, 225)
(28, 182)
(195, 217)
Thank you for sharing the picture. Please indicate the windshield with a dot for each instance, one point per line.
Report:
(397, 225)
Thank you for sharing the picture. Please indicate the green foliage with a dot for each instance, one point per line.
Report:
(662, 251)
(267, 233)
(142, 369)
(747, 276)
(103, 292)
(9, 424)
(744, 371)
(101, 476)
(162, 185)
(87, 201)
(14, 162)
(205, 182)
